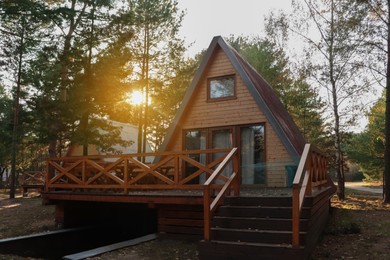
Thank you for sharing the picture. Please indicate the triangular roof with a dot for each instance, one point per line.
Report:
(264, 95)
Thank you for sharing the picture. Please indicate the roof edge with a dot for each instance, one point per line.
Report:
(258, 98)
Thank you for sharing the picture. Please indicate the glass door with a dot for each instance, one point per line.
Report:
(252, 154)
(222, 138)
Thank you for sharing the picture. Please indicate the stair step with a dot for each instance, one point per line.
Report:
(257, 223)
(243, 250)
(254, 236)
(264, 201)
(259, 212)
(259, 201)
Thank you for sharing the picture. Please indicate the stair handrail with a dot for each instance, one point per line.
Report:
(210, 204)
(311, 172)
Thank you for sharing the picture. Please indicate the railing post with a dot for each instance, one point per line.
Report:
(295, 215)
(84, 171)
(297, 200)
(209, 208)
(206, 212)
(47, 178)
(309, 170)
(237, 179)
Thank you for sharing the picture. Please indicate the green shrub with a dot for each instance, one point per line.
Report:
(342, 223)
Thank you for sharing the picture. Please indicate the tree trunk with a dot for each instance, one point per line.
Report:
(88, 84)
(16, 118)
(386, 174)
(146, 114)
(338, 155)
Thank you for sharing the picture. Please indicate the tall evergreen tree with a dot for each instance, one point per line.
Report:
(167, 98)
(20, 20)
(367, 148)
(5, 133)
(156, 50)
(72, 86)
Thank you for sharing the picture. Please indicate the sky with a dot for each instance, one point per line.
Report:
(205, 19)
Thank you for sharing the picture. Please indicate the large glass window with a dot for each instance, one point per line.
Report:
(252, 155)
(222, 139)
(195, 139)
(252, 147)
(221, 88)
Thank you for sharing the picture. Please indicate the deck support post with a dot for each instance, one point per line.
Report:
(60, 214)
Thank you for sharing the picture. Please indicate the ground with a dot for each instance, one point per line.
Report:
(359, 229)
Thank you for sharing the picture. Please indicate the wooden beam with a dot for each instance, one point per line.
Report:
(108, 248)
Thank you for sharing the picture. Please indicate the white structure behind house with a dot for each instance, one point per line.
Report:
(128, 132)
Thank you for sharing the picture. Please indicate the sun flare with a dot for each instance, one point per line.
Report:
(136, 98)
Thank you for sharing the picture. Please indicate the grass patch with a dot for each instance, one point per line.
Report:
(383, 228)
(342, 223)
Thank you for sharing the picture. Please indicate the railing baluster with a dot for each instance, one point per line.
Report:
(126, 175)
(177, 170)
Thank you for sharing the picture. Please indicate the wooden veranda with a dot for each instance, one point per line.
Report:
(90, 176)
(163, 178)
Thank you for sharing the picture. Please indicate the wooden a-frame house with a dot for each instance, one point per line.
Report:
(230, 132)
(228, 104)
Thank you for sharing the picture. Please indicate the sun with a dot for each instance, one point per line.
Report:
(136, 98)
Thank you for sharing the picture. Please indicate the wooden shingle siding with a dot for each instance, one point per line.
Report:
(240, 111)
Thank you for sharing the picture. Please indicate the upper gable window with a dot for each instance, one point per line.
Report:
(221, 88)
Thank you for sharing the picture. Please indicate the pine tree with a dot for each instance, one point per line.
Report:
(19, 22)
(74, 89)
(156, 51)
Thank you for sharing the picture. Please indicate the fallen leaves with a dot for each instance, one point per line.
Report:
(373, 240)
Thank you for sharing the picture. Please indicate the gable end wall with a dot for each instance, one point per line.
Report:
(240, 111)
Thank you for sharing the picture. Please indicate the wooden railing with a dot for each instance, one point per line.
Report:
(311, 173)
(210, 204)
(32, 180)
(121, 173)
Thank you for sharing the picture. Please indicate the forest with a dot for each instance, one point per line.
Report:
(69, 67)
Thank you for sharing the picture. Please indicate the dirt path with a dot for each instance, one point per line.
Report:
(362, 186)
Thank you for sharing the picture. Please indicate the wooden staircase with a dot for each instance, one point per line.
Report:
(261, 228)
